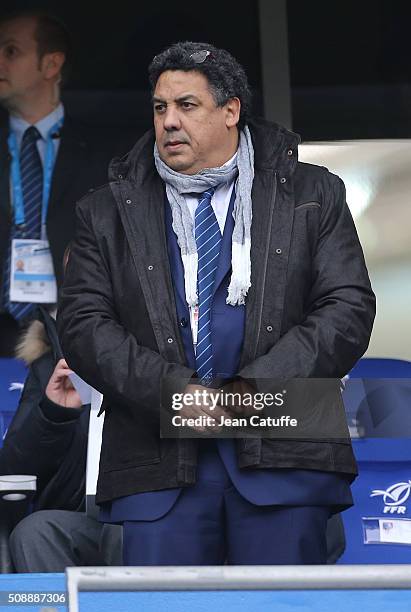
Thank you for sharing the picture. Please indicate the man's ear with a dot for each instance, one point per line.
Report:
(51, 64)
(232, 108)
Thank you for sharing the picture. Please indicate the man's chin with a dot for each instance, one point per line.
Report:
(177, 163)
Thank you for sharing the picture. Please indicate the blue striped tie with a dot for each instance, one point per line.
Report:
(31, 171)
(208, 239)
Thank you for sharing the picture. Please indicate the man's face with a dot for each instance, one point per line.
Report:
(192, 132)
(20, 70)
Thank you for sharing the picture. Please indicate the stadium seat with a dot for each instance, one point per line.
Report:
(13, 373)
(15, 491)
(378, 404)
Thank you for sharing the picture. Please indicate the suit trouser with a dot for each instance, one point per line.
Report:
(212, 524)
(51, 540)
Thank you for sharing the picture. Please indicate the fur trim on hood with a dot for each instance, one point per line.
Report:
(33, 343)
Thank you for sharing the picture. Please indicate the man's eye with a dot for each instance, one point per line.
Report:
(10, 51)
(159, 108)
(187, 104)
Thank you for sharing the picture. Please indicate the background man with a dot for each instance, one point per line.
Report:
(214, 253)
(48, 438)
(47, 161)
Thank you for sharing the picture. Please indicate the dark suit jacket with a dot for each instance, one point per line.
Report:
(81, 164)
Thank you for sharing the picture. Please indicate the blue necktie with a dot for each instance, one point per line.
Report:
(31, 171)
(208, 239)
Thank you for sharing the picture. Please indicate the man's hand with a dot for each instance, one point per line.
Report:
(202, 407)
(238, 399)
(60, 389)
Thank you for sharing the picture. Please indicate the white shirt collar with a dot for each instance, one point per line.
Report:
(18, 125)
(230, 160)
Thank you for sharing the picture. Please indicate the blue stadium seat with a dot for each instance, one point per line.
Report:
(378, 404)
(374, 367)
(13, 373)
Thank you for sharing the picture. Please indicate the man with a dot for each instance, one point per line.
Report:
(213, 254)
(48, 438)
(47, 162)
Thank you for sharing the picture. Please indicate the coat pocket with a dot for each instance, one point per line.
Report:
(308, 205)
(128, 440)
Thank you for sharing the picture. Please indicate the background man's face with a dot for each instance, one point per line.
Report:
(192, 133)
(20, 72)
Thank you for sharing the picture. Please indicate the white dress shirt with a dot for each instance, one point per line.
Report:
(18, 126)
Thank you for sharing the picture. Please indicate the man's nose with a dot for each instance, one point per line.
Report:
(172, 119)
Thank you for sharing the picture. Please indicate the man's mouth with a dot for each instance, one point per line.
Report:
(174, 144)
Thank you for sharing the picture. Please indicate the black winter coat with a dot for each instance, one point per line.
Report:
(309, 312)
(47, 440)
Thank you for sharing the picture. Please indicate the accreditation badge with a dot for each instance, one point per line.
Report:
(32, 273)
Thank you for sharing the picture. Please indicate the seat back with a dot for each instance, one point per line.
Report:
(378, 404)
(13, 373)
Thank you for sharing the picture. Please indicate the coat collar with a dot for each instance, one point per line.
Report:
(275, 147)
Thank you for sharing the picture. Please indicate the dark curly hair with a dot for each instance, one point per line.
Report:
(226, 77)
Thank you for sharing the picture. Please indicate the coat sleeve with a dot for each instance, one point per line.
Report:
(337, 324)
(95, 343)
(36, 443)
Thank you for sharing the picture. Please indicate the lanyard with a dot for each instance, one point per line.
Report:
(18, 203)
